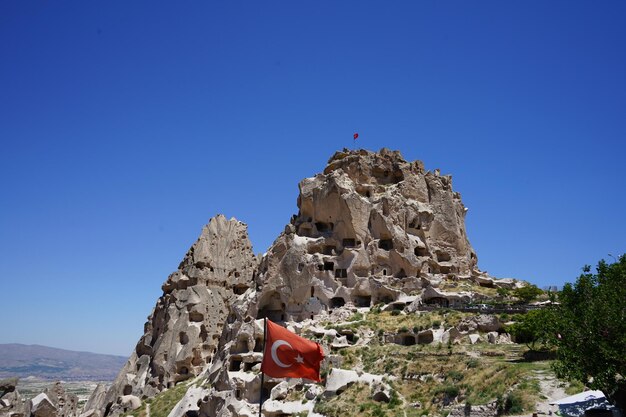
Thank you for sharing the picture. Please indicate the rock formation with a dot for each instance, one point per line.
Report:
(372, 229)
(182, 333)
(10, 399)
(66, 404)
(53, 402)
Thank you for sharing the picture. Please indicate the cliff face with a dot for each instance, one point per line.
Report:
(181, 335)
(372, 229)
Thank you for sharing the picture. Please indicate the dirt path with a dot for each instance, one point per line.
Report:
(552, 389)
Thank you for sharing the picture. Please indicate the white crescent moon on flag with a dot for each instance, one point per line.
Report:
(275, 347)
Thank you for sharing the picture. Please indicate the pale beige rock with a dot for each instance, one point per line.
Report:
(483, 323)
(492, 337)
(182, 333)
(65, 403)
(11, 404)
(129, 402)
(90, 409)
(371, 230)
(41, 406)
(189, 403)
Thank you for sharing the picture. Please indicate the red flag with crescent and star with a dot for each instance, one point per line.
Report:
(289, 355)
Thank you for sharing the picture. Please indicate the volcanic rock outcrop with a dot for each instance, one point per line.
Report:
(372, 229)
(10, 399)
(182, 333)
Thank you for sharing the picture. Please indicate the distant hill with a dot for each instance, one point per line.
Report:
(51, 363)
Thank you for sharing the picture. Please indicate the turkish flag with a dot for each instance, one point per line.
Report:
(355, 136)
(289, 355)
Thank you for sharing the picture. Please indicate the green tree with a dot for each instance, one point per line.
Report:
(527, 293)
(535, 328)
(591, 337)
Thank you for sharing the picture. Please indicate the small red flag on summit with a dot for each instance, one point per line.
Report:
(355, 136)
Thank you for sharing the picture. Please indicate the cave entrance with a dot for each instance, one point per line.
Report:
(337, 302)
(407, 340)
(240, 289)
(363, 300)
(349, 243)
(385, 244)
(425, 338)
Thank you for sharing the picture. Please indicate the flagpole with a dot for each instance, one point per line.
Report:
(262, 374)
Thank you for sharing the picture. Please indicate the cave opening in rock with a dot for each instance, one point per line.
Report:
(425, 338)
(362, 300)
(240, 289)
(407, 340)
(348, 243)
(337, 302)
(385, 244)
(443, 257)
(258, 345)
(324, 227)
(235, 364)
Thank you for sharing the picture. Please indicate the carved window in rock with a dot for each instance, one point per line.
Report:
(258, 345)
(324, 227)
(443, 257)
(348, 243)
(247, 366)
(329, 250)
(329, 266)
(407, 340)
(235, 364)
(386, 299)
(240, 289)
(425, 338)
(337, 302)
(385, 244)
(341, 273)
(363, 300)
(421, 252)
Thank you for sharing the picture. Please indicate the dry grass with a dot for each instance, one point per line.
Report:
(432, 378)
(163, 403)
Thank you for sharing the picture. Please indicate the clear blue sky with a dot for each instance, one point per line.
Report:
(126, 125)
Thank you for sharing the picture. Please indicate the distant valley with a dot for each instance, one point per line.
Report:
(57, 364)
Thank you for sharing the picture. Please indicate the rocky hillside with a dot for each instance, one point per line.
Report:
(378, 244)
(50, 363)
